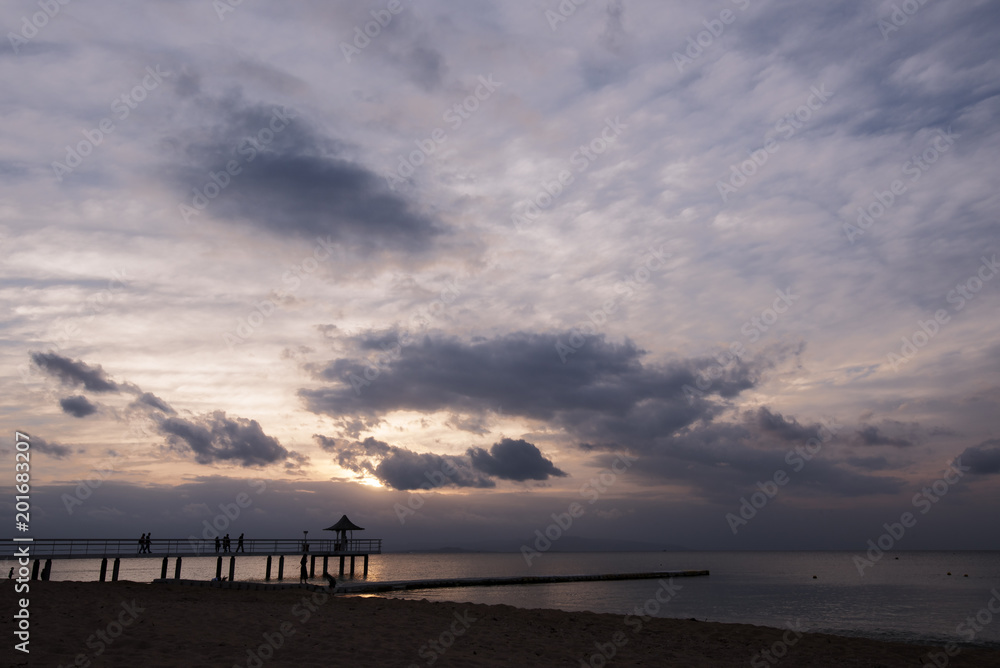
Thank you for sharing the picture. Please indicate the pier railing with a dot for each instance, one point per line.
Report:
(96, 548)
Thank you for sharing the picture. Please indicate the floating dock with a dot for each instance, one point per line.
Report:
(401, 585)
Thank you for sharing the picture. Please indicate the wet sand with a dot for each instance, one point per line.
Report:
(137, 624)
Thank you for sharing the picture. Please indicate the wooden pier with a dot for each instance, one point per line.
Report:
(178, 549)
(400, 585)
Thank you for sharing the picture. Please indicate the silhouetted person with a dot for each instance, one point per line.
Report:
(149, 549)
(225, 543)
(142, 544)
(218, 544)
(303, 571)
(239, 544)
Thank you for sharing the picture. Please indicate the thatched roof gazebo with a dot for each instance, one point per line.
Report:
(341, 528)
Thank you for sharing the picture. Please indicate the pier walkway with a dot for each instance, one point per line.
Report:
(180, 548)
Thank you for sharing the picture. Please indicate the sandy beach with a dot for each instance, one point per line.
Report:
(139, 624)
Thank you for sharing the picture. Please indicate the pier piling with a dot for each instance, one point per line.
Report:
(267, 571)
(114, 569)
(281, 567)
(218, 568)
(163, 569)
(104, 569)
(232, 568)
(177, 569)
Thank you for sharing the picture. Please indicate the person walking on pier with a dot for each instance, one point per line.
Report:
(225, 543)
(142, 544)
(149, 549)
(303, 571)
(218, 544)
(239, 544)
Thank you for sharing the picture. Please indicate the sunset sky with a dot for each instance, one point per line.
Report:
(496, 249)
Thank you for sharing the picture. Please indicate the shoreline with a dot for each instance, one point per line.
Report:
(130, 623)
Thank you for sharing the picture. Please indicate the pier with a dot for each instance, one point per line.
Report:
(178, 549)
(401, 585)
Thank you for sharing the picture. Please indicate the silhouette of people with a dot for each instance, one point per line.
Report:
(239, 544)
(142, 544)
(149, 549)
(225, 543)
(218, 544)
(303, 571)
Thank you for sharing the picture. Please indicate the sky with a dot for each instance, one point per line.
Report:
(719, 275)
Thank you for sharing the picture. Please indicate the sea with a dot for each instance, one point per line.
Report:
(919, 597)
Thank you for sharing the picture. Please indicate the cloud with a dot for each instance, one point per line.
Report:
(983, 458)
(78, 406)
(153, 401)
(217, 438)
(51, 449)
(603, 394)
(298, 183)
(400, 468)
(75, 373)
(786, 430)
(514, 460)
(870, 435)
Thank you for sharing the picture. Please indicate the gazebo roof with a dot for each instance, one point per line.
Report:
(344, 524)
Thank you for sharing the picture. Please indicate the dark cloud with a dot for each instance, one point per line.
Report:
(786, 430)
(871, 435)
(51, 449)
(75, 373)
(217, 438)
(514, 460)
(151, 400)
(77, 406)
(603, 393)
(983, 458)
(299, 183)
(400, 468)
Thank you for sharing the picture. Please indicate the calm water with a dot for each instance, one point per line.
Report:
(906, 596)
